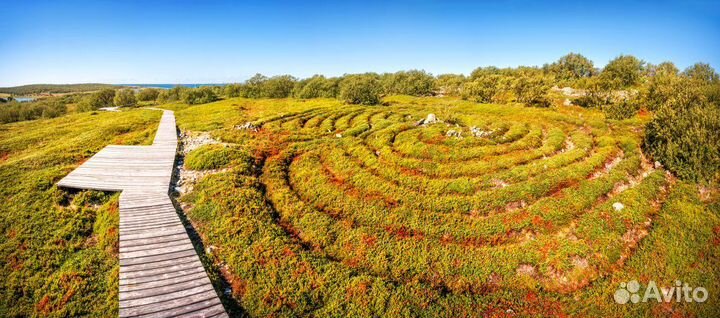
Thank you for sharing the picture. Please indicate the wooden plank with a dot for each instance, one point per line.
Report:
(178, 268)
(160, 272)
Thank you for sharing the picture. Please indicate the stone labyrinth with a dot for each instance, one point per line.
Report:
(485, 199)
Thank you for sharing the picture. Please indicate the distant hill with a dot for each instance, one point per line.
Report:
(54, 88)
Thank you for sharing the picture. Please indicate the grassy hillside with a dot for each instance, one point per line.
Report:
(53, 88)
(331, 210)
(59, 251)
(357, 211)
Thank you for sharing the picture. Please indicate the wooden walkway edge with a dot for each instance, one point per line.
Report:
(160, 273)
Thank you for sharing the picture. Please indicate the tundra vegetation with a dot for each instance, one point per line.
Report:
(340, 196)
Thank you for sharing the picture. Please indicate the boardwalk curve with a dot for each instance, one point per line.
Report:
(160, 273)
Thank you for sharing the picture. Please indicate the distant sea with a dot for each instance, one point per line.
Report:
(168, 86)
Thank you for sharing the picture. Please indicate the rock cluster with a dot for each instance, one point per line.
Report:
(193, 141)
(454, 133)
(186, 179)
(248, 126)
(477, 132)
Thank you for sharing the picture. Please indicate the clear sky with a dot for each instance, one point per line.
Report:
(228, 41)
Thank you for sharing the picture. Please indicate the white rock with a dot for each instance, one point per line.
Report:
(247, 126)
(431, 118)
(658, 165)
(453, 133)
(618, 206)
(477, 132)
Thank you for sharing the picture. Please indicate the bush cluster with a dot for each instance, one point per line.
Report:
(529, 89)
(683, 134)
(45, 108)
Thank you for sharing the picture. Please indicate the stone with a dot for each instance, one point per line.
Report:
(430, 119)
(618, 206)
(247, 126)
(453, 133)
(567, 91)
(658, 165)
(338, 135)
(477, 132)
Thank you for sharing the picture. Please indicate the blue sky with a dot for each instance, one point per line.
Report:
(228, 41)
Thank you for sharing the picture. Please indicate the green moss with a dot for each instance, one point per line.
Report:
(217, 156)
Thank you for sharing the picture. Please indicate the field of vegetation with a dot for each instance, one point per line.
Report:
(59, 250)
(337, 210)
(529, 191)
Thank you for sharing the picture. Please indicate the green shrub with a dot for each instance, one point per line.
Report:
(449, 84)
(148, 94)
(103, 98)
(172, 95)
(124, 98)
(683, 135)
(254, 86)
(215, 157)
(360, 89)
(482, 88)
(278, 86)
(15, 111)
(316, 86)
(413, 82)
(701, 72)
(200, 95)
(621, 110)
(571, 67)
(232, 90)
(532, 90)
(623, 71)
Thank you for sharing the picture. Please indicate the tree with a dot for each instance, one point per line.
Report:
(665, 69)
(102, 98)
(483, 71)
(232, 90)
(683, 133)
(623, 71)
(701, 72)
(361, 89)
(597, 94)
(278, 86)
(572, 67)
(254, 86)
(200, 95)
(125, 97)
(172, 95)
(413, 82)
(148, 94)
(317, 86)
(660, 88)
(532, 90)
(483, 88)
(449, 84)
(623, 109)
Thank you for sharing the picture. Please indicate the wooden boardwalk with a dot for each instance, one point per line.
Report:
(160, 273)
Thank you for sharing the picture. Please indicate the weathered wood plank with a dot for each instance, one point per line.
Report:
(160, 272)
